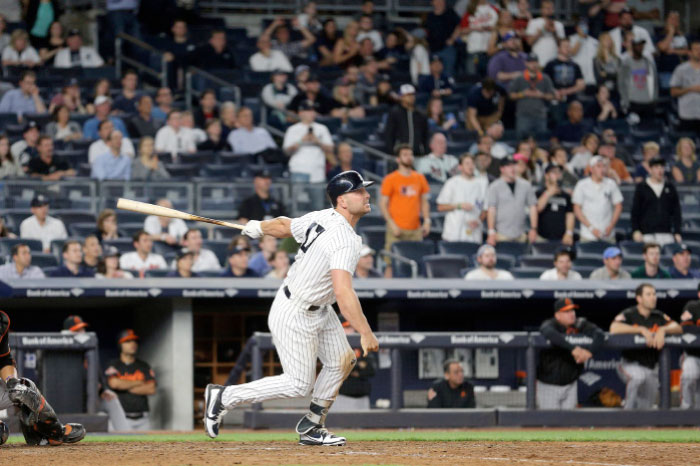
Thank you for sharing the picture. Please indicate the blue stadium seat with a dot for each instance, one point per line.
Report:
(125, 216)
(122, 244)
(546, 249)
(414, 250)
(73, 216)
(182, 171)
(536, 262)
(156, 273)
(218, 247)
(464, 248)
(592, 248)
(527, 272)
(371, 221)
(512, 248)
(445, 266)
(503, 261)
(44, 259)
(373, 236)
(631, 263)
(588, 262)
(6, 245)
(48, 271)
(81, 228)
(631, 248)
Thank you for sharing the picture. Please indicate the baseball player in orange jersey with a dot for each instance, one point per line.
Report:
(303, 324)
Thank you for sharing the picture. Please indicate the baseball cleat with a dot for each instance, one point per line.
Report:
(321, 437)
(73, 433)
(214, 409)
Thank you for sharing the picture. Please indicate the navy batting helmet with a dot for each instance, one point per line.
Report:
(345, 182)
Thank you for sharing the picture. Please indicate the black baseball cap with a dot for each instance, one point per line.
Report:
(183, 252)
(237, 250)
(73, 32)
(31, 124)
(307, 105)
(127, 335)
(39, 201)
(551, 167)
(110, 251)
(531, 57)
(563, 305)
(74, 323)
(435, 57)
(657, 161)
(263, 173)
(508, 160)
(677, 248)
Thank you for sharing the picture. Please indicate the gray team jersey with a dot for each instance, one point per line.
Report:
(327, 242)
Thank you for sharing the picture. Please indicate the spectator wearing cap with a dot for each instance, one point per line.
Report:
(597, 203)
(406, 125)
(485, 102)
(563, 262)
(21, 265)
(278, 95)
(685, 86)
(101, 146)
(108, 265)
(215, 54)
(25, 149)
(309, 146)
(543, 33)
(656, 208)
(248, 138)
(261, 205)
(260, 262)
(681, 262)
(77, 55)
(453, 391)
(438, 165)
(612, 268)
(292, 49)
(184, 260)
(92, 250)
(313, 93)
(640, 35)
(437, 83)
(41, 225)
(510, 200)
(365, 264)
(561, 364)
(142, 258)
(638, 82)
(532, 93)
(143, 123)
(479, 19)
(442, 31)
(573, 129)
(463, 197)
(72, 258)
(584, 49)
(651, 269)
(267, 59)
(565, 74)
(554, 208)
(404, 199)
(238, 263)
(45, 165)
(114, 164)
(103, 107)
(486, 258)
(25, 99)
(509, 63)
(174, 138)
(132, 380)
(280, 265)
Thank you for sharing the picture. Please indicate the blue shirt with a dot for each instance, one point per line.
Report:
(64, 271)
(109, 167)
(119, 5)
(90, 127)
(259, 264)
(158, 114)
(15, 101)
(692, 273)
(228, 272)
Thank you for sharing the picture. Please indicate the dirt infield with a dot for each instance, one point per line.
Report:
(357, 453)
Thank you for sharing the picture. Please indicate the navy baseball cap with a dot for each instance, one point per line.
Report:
(307, 105)
(677, 248)
(657, 161)
(531, 57)
(39, 201)
(611, 252)
(237, 250)
(263, 173)
(183, 252)
(509, 35)
(110, 251)
(507, 160)
(551, 167)
(31, 124)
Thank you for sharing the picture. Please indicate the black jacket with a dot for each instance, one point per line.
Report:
(357, 384)
(557, 366)
(447, 397)
(397, 130)
(651, 214)
(206, 58)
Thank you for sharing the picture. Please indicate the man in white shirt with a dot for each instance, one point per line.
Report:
(267, 59)
(174, 139)
(486, 257)
(640, 34)
(76, 54)
(562, 268)
(367, 31)
(583, 50)
(308, 145)
(247, 138)
(101, 146)
(597, 204)
(437, 164)
(142, 259)
(168, 230)
(203, 259)
(21, 265)
(40, 225)
(542, 34)
(463, 197)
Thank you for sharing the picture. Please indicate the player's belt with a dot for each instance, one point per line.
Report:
(288, 294)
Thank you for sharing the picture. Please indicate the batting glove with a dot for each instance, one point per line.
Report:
(253, 229)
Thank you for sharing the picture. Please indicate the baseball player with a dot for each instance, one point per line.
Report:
(690, 361)
(38, 421)
(560, 366)
(303, 324)
(638, 367)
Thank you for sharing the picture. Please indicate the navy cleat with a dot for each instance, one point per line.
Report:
(214, 409)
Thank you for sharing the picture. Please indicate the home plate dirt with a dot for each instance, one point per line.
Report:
(356, 453)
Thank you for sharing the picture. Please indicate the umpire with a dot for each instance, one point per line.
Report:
(560, 366)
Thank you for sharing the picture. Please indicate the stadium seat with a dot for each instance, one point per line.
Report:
(503, 261)
(371, 221)
(631, 263)
(413, 250)
(81, 228)
(218, 247)
(71, 216)
(6, 245)
(183, 171)
(374, 236)
(125, 216)
(444, 266)
(631, 248)
(536, 262)
(464, 248)
(592, 248)
(588, 262)
(44, 259)
(512, 248)
(546, 249)
(157, 273)
(527, 272)
(122, 244)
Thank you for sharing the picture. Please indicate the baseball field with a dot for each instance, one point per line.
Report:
(541, 447)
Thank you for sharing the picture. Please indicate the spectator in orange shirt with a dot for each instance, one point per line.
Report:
(404, 199)
(618, 171)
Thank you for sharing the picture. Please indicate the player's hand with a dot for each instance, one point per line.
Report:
(659, 339)
(431, 394)
(253, 229)
(648, 336)
(369, 343)
(108, 395)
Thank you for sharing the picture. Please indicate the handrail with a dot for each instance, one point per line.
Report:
(120, 58)
(189, 91)
(413, 264)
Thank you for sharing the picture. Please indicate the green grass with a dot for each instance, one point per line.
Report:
(515, 435)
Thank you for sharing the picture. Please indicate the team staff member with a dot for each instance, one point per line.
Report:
(690, 361)
(133, 380)
(638, 367)
(562, 364)
(453, 391)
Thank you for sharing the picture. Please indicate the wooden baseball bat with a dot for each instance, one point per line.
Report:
(160, 211)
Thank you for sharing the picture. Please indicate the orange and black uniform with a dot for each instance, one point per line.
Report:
(448, 397)
(5, 356)
(647, 357)
(690, 323)
(134, 405)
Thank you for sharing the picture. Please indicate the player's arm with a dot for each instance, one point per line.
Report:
(145, 388)
(115, 383)
(555, 338)
(280, 227)
(688, 324)
(350, 307)
(8, 372)
(672, 328)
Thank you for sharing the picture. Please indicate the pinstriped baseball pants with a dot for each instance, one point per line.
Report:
(300, 337)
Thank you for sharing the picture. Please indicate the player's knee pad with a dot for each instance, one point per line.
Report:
(37, 418)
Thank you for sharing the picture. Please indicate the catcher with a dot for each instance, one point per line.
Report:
(39, 422)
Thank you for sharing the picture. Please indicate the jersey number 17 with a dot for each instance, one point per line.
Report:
(312, 233)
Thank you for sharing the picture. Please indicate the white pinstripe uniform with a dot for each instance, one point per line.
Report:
(301, 335)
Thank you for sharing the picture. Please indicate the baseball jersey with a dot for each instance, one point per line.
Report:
(457, 190)
(647, 357)
(327, 242)
(690, 322)
(137, 371)
(5, 355)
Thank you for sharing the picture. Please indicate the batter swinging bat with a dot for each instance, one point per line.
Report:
(160, 211)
